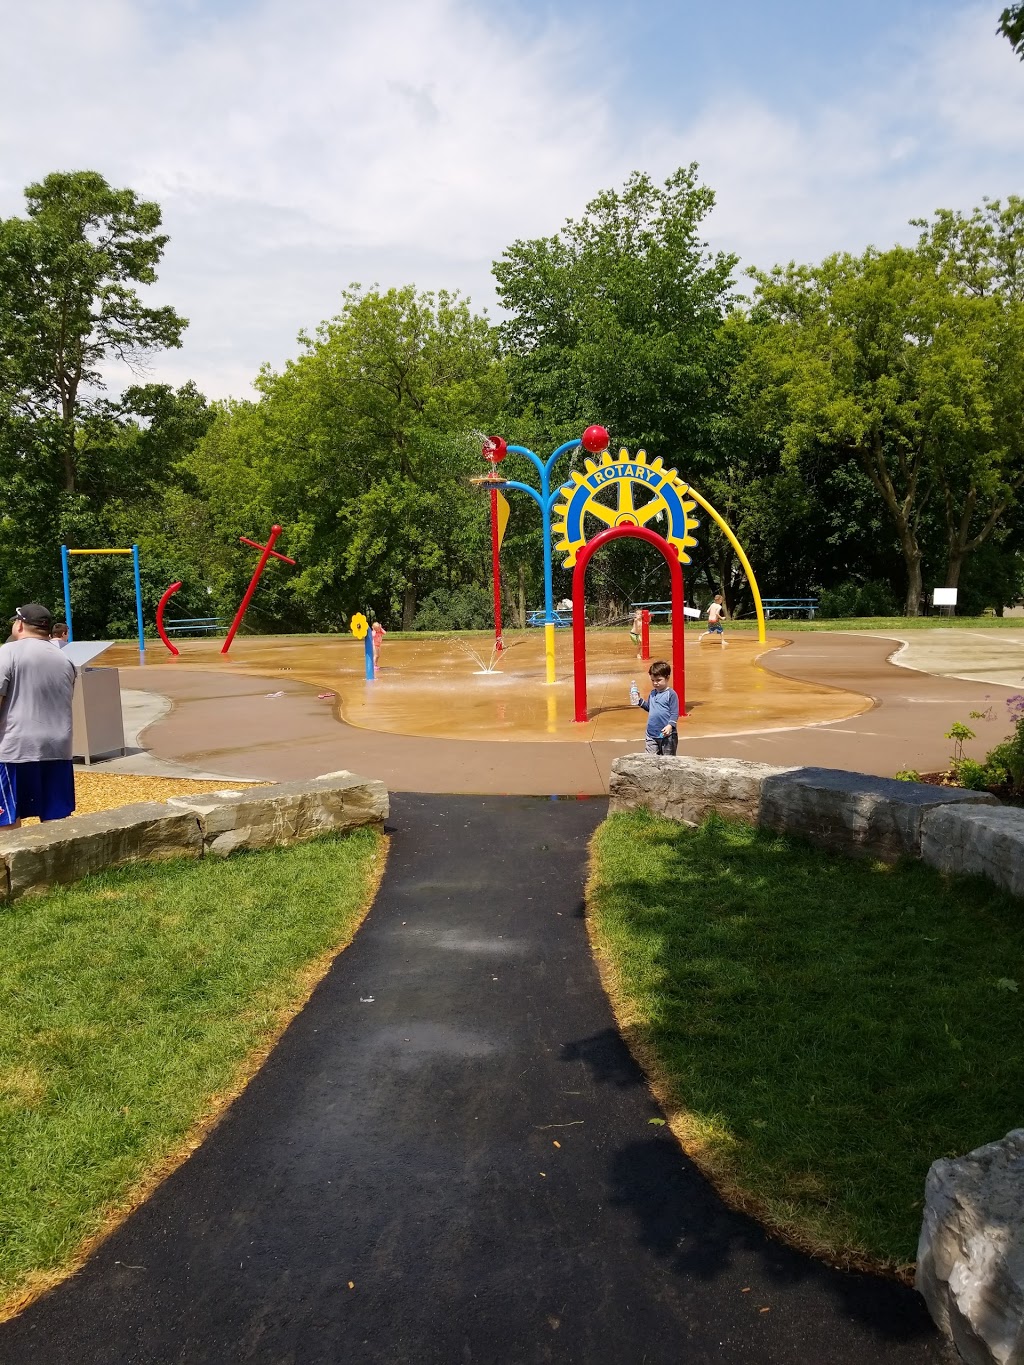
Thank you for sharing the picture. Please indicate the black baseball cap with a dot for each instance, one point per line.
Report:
(33, 615)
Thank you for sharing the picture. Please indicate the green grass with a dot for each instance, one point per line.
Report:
(820, 1029)
(129, 1003)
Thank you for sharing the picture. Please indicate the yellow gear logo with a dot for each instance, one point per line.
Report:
(665, 494)
(359, 625)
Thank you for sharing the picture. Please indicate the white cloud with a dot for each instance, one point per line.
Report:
(942, 132)
(297, 146)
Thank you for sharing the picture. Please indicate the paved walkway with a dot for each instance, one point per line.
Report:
(402, 1138)
(226, 723)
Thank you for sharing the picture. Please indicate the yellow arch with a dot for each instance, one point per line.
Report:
(721, 522)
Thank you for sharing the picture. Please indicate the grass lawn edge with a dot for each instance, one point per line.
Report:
(37, 1283)
(718, 1172)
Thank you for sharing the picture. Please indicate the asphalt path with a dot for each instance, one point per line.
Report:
(450, 1158)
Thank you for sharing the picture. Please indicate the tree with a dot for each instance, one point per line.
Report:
(978, 464)
(1011, 26)
(616, 318)
(361, 448)
(67, 302)
(889, 358)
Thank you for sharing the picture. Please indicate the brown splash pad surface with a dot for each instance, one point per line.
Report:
(437, 688)
(235, 718)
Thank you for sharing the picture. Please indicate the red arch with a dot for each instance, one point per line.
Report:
(579, 629)
(160, 616)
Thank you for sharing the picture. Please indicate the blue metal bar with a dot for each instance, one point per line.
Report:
(545, 500)
(523, 488)
(138, 603)
(67, 589)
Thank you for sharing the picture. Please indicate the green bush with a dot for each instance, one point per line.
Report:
(467, 607)
(972, 775)
(857, 599)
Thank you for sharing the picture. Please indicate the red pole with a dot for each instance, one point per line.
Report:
(679, 644)
(645, 634)
(160, 616)
(579, 637)
(268, 550)
(499, 644)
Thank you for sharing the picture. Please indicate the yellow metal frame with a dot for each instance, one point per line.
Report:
(549, 650)
(721, 522)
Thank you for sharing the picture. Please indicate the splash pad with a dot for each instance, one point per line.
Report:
(434, 687)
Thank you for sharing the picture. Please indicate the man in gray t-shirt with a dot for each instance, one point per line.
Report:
(37, 683)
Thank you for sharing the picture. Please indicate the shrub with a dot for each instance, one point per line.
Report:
(972, 775)
(857, 599)
(467, 607)
(908, 775)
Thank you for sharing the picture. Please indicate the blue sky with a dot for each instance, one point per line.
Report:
(298, 145)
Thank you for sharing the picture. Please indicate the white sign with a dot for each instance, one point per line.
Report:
(692, 613)
(944, 597)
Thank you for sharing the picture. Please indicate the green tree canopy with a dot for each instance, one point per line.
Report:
(67, 301)
(362, 448)
(616, 318)
(907, 360)
(1011, 26)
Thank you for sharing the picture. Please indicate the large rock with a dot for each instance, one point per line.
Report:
(37, 857)
(851, 812)
(970, 1259)
(684, 788)
(286, 813)
(984, 842)
(857, 813)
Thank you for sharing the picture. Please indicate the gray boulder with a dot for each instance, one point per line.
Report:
(286, 813)
(981, 841)
(970, 1258)
(36, 857)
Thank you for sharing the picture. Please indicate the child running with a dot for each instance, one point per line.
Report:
(716, 620)
(662, 708)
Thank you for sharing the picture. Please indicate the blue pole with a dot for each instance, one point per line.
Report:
(67, 589)
(368, 648)
(138, 603)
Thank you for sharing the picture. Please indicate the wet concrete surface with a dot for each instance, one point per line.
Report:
(442, 688)
(243, 724)
(388, 1189)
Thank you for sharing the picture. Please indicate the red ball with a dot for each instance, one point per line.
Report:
(595, 439)
(494, 449)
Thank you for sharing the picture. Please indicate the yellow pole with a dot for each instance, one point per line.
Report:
(549, 649)
(721, 521)
(99, 552)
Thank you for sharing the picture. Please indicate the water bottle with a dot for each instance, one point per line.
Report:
(634, 693)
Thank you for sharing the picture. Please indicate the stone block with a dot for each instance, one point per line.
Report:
(286, 813)
(981, 841)
(970, 1258)
(37, 857)
(855, 812)
(685, 789)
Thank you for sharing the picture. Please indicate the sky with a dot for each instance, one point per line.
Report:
(297, 146)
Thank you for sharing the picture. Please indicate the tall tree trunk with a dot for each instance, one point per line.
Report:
(521, 602)
(954, 566)
(912, 557)
(409, 607)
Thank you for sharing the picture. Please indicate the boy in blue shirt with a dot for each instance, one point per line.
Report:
(662, 708)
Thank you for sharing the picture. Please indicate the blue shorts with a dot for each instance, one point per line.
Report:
(718, 629)
(45, 788)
